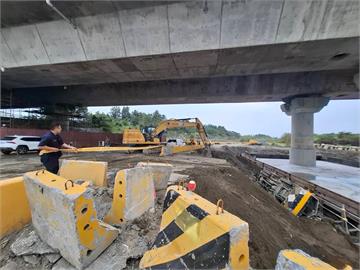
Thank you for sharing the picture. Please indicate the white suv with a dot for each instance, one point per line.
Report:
(20, 144)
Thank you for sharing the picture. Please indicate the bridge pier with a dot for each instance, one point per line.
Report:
(301, 110)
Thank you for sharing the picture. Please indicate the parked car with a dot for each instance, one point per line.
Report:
(20, 144)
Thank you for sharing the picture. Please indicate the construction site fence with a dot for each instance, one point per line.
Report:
(76, 138)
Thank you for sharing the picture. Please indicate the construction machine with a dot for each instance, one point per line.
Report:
(155, 136)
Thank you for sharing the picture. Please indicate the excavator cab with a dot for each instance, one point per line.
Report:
(147, 133)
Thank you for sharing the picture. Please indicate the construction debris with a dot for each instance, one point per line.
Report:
(29, 243)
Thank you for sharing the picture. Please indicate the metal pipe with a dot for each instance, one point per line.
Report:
(48, 2)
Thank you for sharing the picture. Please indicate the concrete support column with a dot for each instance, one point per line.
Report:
(301, 110)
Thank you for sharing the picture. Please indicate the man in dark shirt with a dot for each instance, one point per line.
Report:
(52, 142)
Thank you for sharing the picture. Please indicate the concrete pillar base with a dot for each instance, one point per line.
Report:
(302, 111)
(303, 157)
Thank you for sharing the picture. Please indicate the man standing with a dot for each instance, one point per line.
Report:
(52, 142)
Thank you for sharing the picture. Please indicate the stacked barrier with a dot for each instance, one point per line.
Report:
(14, 206)
(134, 194)
(299, 260)
(92, 171)
(195, 233)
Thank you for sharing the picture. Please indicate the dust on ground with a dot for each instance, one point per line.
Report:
(272, 227)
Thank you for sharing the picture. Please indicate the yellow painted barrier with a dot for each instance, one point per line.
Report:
(14, 206)
(103, 149)
(133, 195)
(297, 259)
(92, 171)
(161, 173)
(195, 233)
(170, 150)
(302, 203)
(65, 218)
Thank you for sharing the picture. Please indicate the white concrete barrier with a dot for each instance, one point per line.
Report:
(64, 217)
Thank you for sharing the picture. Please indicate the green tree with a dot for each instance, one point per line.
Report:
(286, 139)
(115, 112)
(125, 113)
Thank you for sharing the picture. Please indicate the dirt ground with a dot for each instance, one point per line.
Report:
(272, 227)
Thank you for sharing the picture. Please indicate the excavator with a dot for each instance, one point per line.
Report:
(153, 136)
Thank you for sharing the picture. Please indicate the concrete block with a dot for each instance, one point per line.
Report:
(161, 173)
(25, 45)
(299, 260)
(92, 171)
(246, 23)
(61, 41)
(14, 206)
(194, 26)
(64, 217)
(101, 36)
(145, 30)
(133, 195)
(194, 234)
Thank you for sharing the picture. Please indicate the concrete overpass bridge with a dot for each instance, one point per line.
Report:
(156, 52)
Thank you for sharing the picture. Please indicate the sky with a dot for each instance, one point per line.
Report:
(255, 118)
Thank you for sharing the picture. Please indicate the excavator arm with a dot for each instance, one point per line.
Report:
(182, 123)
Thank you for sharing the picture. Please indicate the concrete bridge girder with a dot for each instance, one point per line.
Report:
(266, 59)
(177, 27)
(252, 88)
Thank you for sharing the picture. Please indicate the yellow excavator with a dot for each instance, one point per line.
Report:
(153, 136)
